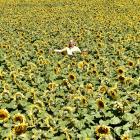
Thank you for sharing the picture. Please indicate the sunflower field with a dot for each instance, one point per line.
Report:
(93, 95)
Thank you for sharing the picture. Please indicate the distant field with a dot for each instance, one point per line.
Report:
(94, 95)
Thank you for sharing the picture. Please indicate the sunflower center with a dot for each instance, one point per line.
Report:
(121, 78)
(120, 71)
(2, 116)
(72, 77)
(20, 119)
(20, 129)
(94, 71)
(130, 64)
(103, 130)
(89, 87)
(101, 104)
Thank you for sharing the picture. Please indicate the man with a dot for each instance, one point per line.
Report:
(70, 49)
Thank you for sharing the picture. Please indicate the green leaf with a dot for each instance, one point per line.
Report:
(128, 117)
(108, 114)
(126, 126)
(136, 138)
(115, 120)
(104, 122)
(42, 86)
(118, 130)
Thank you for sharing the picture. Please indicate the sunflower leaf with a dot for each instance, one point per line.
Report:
(115, 120)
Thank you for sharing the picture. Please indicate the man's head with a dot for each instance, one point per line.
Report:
(71, 43)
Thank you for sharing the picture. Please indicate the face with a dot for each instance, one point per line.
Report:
(71, 44)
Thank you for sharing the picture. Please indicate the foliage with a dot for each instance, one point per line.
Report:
(92, 95)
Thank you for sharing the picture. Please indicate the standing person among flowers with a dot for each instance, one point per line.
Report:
(70, 49)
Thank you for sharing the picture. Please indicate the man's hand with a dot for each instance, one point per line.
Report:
(57, 50)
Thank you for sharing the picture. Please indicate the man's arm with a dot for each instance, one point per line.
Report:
(65, 49)
(78, 50)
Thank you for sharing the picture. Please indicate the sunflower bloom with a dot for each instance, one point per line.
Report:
(128, 80)
(121, 78)
(81, 65)
(51, 86)
(103, 89)
(65, 82)
(112, 92)
(4, 115)
(119, 106)
(114, 63)
(130, 63)
(2, 74)
(125, 137)
(94, 71)
(57, 70)
(73, 63)
(20, 128)
(19, 118)
(69, 109)
(120, 71)
(72, 77)
(89, 87)
(84, 53)
(102, 130)
(106, 137)
(100, 103)
(40, 52)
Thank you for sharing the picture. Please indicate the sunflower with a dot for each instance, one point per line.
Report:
(20, 128)
(5, 92)
(51, 86)
(125, 137)
(19, 118)
(84, 100)
(114, 63)
(39, 52)
(4, 115)
(94, 71)
(81, 64)
(65, 82)
(120, 70)
(84, 53)
(39, 103)
(72, 77)
(119, 106)
(102, 130)
(130, 63)
(2, 74)
(89, 87)
(106, 137)
(76, 98)
(112, 92)
(46, 62)
(18, 54)
(18, 95)
(121, 78)
(103, 89)
(59, 64)
(57, 70)
(100, 103)
(73, 63)
(40, 60)
(128, 80)
(93, 65)
(69, 109)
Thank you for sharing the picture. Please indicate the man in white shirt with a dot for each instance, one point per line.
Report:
(70, 49)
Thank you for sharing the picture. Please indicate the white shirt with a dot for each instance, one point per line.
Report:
(70, 51)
